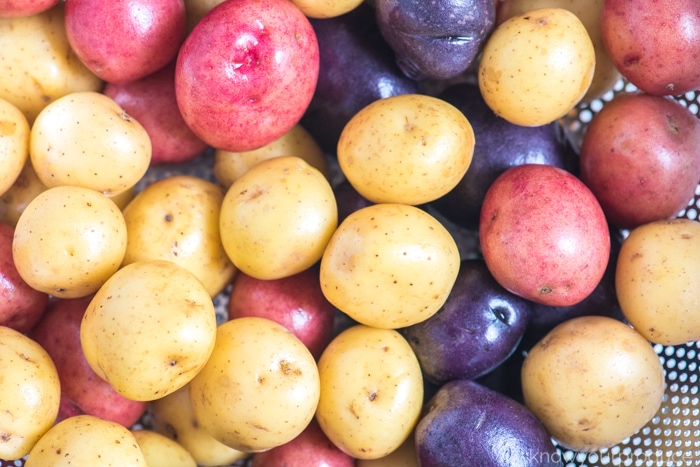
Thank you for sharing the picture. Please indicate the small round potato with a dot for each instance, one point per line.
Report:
(14, 201)
(86, 139)
(657, 280)
(149, 329)
(177, 219)
(161, 451)
(326, 8)
(260, 387)
(30, 393)
(409, 148)
(371, 391)
(389, 266)
(86, 440)
(537, 66)
(14, 144)
(592, 381)
(277, 218)
(68, 241)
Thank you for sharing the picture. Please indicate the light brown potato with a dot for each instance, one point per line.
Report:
(37, 64)
(592, 381)
(30, 393)
(14, 144)
(409, 149)
(537, 66)
(177, 219)
(371, 391)
(389, 266)
(326, 8)
(161, 451)
(69, 241)
(260, 387)
(657, 280)
(149, 329)
(403, 456)
(86, 440)
(14, 201)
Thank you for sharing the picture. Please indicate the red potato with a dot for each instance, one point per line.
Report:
(641, 158)
(21, 8)
(21, 306)
(246, 73)
(543, 235)
(655, 44)
(82, 391)
(151, 101)
(124, 40)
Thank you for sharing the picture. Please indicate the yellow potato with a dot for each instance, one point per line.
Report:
(30, 393)
(371, 391)
(389, 266)
(14, 144)
(326, 8)
(85, 440)
(260, 387)
(37, 64)
(14, 201)
(149, 329)
(537, 66)
(657, 280)
(124, 198)
(593, 381)
(172, 416)
(177, 219)
(588, 11)
(410, 149)
(277, 218)
(86, 139)
(69, 241)
(161, 451)
(196, 9)
(229, 166)
(404, 456)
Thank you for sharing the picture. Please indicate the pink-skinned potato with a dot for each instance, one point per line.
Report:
(640, 156)
(296, 302)
(151, 101)
(21, 306)
(82, 391)
(121, 41)
(246, 73)
(544, 235)
(21, 8)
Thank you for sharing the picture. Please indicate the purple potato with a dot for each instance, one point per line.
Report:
(357, 67)
(499, 145)
(435, 40)
(348, 199)
(477, 329)
(467, 424)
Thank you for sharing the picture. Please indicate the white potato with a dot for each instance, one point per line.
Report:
(14, 144)
(161, 451)
(15, 200)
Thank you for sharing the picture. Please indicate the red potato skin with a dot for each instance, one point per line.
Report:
(21, 8)
(543, 235)
(151, 101)
(21, 306)
(640, 157)
(247, 72)
(655, 44)
(124, 40)
(82, 391)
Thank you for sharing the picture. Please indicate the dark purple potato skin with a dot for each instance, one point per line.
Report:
(435, 40)
(357, 67)
(467, 424)
(348, 199)
(477, 329)
(499, 146)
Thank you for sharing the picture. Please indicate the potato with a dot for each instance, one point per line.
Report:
(30, 393)
(592, 381)
(277, 218)
(161, 451)
(86, 440)
(326, 8)
(172, 416)
(68, 241)
(389, 266)
(177, 219)
(149, 329)
(260, 387)
(537, 66)
(15, 200)
(86, 139)
(371, 391)
(410, 149)
(14, 144)
(403, 456)
(37, 64)
(229, 166)
(657, 280)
